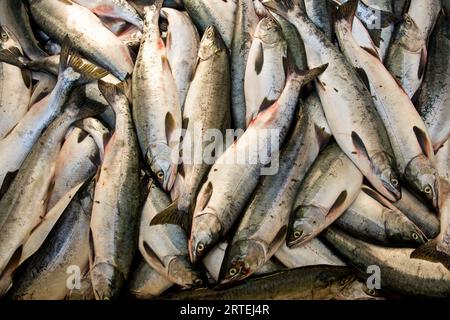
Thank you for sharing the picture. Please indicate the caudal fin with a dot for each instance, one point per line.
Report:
(13, 56)
(429, 252)
(283, 7)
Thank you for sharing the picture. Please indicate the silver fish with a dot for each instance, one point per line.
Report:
(156, 105)
(115, 213)
(182, 44)
(406, 130)
(66, 18)
(147, 283)
(329, 188)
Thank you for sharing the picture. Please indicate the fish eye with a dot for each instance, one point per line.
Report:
(200, 247)
(4, 36)
(394, 182)
(427, 190)
(415, 236)
(160, 175)
(198, 282)
(297, 234)
(232, 271)
(372, 292)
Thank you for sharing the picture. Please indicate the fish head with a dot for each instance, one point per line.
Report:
(179, 268)
(160, 159)
(205, 233)
(7, 39)
(242, 259)
(384, 168)
(211, 43)
(351, 288)
(400, 230)
(304, 222)
(410, 35)
(269, 31)
(423, 178)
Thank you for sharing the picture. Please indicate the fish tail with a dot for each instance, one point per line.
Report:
(111, 91)
(171, 215)
(309, 75)
(346, 12)
(13, 56)
(282, 7)
(429, 251)
(69, 59)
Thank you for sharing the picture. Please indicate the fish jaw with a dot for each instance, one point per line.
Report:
(181, 270)
(386, 179)
(306, 220)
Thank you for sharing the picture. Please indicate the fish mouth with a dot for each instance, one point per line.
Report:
(392, 193)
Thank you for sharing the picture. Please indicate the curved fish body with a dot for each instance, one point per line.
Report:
(418, 213)
(264, 224)
(307, 283)
(116, 9)
(234, 176)
(24, 204)
(165, 246)
(379, 223)
(406, 130)
(265, 70)
(147, 283)
(347, 104)
(434, 97)
(246, 21)
(115, 213)
(217, 13)
(45, 275)
(182, 44)
(15, 88)
(425, 14)
(318, 12)
(312, 253)
(400, 273)
(329, 188)
(96, 129)
(207, 108)
(407, 57)
(77, 160)
(156, 104)
(443, 160)
(14, 16)
(87, 33)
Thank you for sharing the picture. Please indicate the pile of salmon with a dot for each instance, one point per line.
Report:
(224, 149)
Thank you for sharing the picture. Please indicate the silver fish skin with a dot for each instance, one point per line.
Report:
(425, 14)
(207, 108)
(115, 213)
(379, 223)
(46, 84)
(434, 98)
(232, 179)
(24, 204)
(418, 213)
(156, 105)
(407, 132)
(217, 13)
(15, 88)
(45, 276)
(27, 131)
(147, 283)
(329, 188)
(443, 160)
(117, 9)
(246, 21)
(318, 12)
(400, 273)
(14, 16)
(263, 226)
(265, 71)
(65, 18)
(165, 246)
(182, 44)
(97, 131)
(77, 160)
(407, 56)
(312, 253)
(347, 104)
